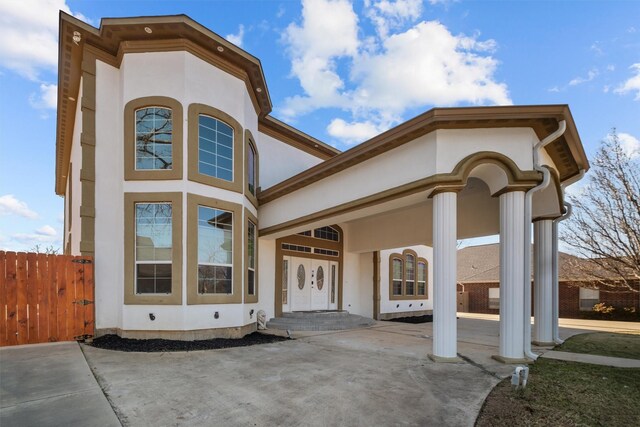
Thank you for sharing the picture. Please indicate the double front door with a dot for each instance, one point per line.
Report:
(313, 284)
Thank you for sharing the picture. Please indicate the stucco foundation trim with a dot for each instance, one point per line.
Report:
(396, 315)
(191, 335)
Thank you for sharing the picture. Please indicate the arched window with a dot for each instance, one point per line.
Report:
(215, 148)
(251, 169)
(407, 276)
(154, 137)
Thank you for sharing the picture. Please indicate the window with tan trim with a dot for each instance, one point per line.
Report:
(215, 148)
(252, 168)
(407, 276)
(153, 139)
(251, 257)
(214, 251)
(153, 248)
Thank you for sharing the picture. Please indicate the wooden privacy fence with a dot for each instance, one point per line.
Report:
(45, 298)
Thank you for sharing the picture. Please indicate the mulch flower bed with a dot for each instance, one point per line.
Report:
(414, 319)
(114, 342)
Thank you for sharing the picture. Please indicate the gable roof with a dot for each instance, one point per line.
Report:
(481, 264)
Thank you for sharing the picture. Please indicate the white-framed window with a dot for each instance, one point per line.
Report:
(422, 278)
(494, 298)
(251, 267)
(327, 233)
(153, 251)
(398, 270)
(215, 251)
(410, 274)
(588, 298)
(215, 148)
(154, 137)
(285, 281)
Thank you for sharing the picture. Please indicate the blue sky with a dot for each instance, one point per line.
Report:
(341, 71)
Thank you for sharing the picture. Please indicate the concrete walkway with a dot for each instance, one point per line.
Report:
(617, 362)
(50, 385)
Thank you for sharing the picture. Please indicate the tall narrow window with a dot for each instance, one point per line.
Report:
(285, 281)
(251, 268)
(333, 284)
(154, 131)
(153, 248)
(410, 271)
(251, 169)
(397, 276)
(215, 148)
(215, 251)
(422, 278)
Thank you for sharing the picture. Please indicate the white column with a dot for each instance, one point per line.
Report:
(542, 278)
(444, 276)
(511, 275)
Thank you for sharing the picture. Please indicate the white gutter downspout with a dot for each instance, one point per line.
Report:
(555, 291)
(546, 178)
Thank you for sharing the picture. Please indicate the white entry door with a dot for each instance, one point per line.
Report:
(320, 284)
(300, 284)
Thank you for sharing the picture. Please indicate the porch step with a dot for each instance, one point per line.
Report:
(319, 321)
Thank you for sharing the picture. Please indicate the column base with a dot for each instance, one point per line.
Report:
(544, 343)
(511, 360)
(440, 359)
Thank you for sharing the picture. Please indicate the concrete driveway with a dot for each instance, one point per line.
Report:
(375, 376)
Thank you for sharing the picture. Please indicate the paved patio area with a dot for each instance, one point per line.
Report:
(374, 376)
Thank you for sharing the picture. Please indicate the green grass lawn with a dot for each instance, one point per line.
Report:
(604, 344)
(569, 393)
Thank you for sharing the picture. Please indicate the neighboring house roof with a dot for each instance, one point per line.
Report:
(482, 264)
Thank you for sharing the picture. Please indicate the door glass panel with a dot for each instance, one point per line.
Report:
(333, 284)
(320, 278)
(301, 277)
(285, 281)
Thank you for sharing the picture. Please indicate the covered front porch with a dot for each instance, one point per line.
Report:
(446, 175)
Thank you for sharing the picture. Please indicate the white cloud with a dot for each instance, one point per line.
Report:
(554, 89)
(29, 35)
(592, 74)
(630, 144)
(9, 205)
(46, 230)
(237, 38)
(354, 132)
(389, 14)
(314, 54)
(423, 65)
(632, 84)
(47, 98)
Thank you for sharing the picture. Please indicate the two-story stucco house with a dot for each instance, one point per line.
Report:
(200, 209)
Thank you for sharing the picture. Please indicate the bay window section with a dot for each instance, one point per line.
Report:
(215, 251)
(153, 249)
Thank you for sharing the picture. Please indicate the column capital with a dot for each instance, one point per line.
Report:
(439, 190)
(511, 189)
